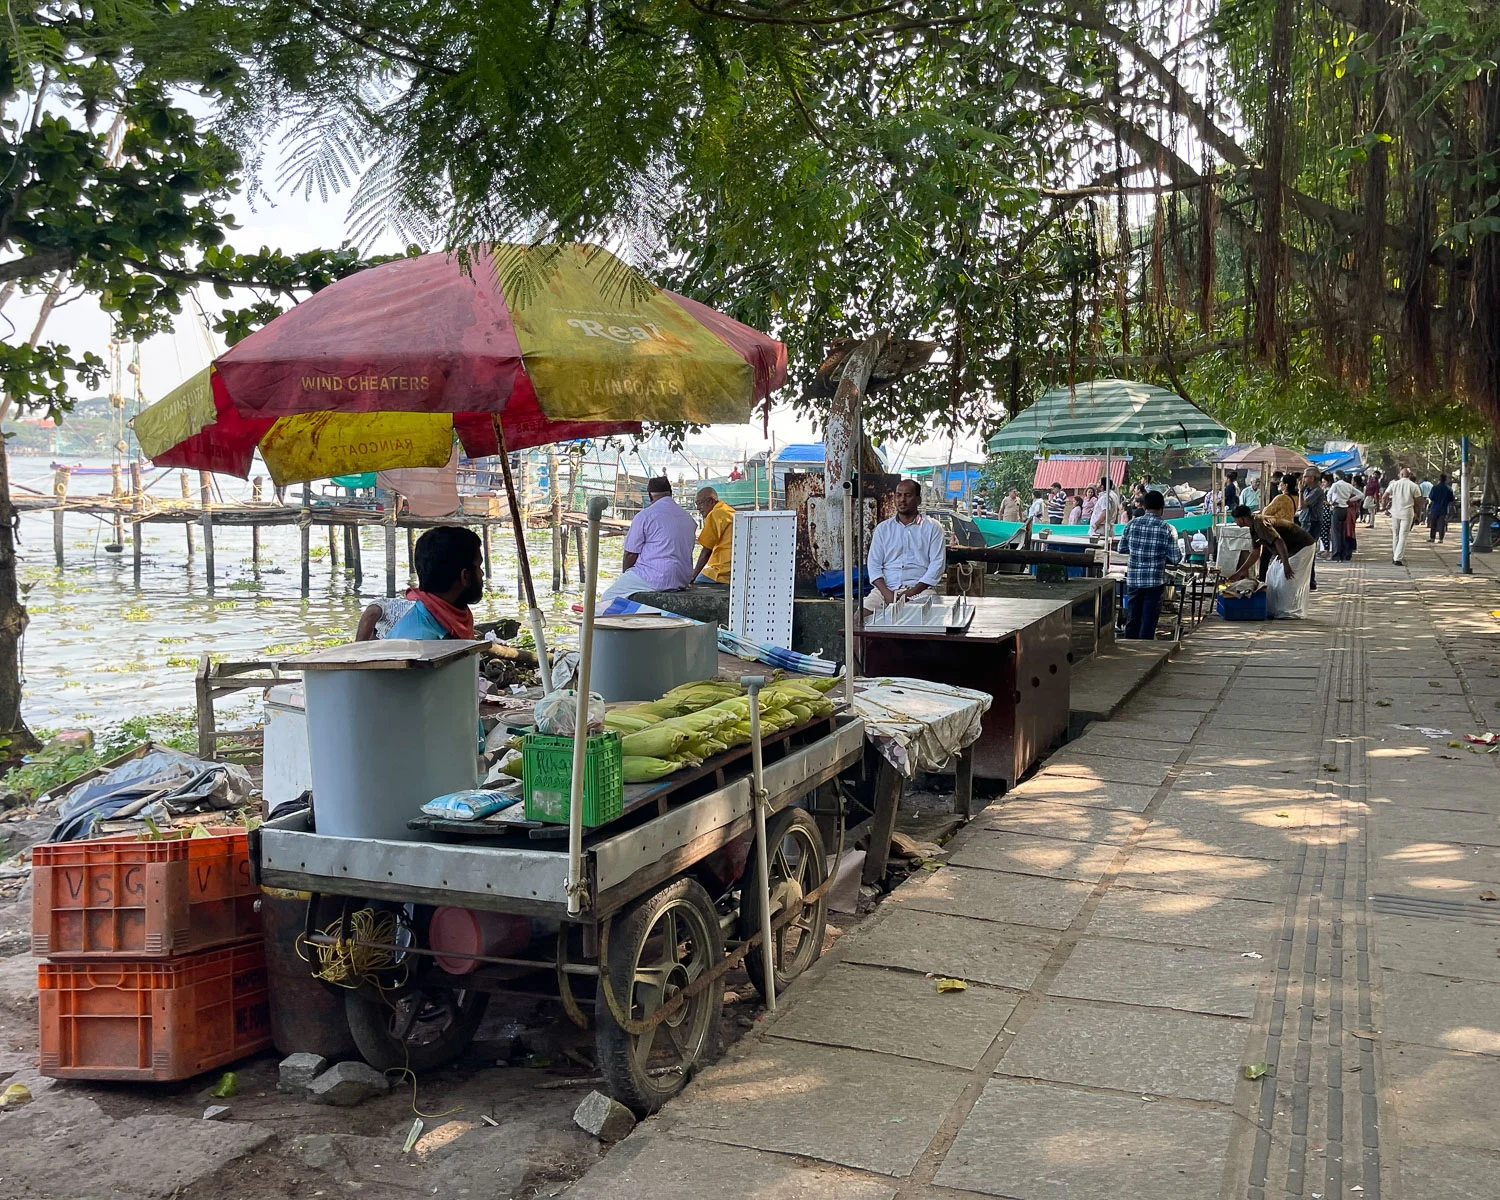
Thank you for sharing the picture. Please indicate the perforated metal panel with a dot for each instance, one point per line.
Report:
(763, 562)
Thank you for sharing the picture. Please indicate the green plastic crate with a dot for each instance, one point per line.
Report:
(547, 777)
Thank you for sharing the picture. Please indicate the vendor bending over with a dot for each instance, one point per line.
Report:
(450, 577)
(908, 552)
(1287, 578)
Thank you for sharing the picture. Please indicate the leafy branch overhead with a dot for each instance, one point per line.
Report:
(109, 186)
(1283, 191)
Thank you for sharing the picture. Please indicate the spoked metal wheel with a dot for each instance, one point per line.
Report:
(657, 948)
(798, 866)
(417, 1027)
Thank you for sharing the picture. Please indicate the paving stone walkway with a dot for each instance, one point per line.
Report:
(1275, 854)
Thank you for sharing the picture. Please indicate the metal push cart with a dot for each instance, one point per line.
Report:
(670, 905)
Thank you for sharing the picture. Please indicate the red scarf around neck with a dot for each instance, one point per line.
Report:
(457, 621)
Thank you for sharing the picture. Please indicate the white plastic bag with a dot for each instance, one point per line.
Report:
(555, 714)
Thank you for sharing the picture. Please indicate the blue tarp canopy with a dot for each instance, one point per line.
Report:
(1338, 460)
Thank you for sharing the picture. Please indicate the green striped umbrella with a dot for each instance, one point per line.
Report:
(1110, 414)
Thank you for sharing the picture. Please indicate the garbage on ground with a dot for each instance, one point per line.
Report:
(1256, 1070)
(161, 784)
(412, 1135)
(15, 1095)
(228, 1085)
(1482, 739)
(944, 984)
(216, 1112)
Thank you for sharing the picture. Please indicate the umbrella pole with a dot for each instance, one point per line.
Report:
(533, 614)
(1109, 520)
(574, 884)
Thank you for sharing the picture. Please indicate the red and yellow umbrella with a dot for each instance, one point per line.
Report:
(520, 346)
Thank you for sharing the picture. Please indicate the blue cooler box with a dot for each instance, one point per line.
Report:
(1252, 608)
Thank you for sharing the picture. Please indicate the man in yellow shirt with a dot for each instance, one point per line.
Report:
(715, 538)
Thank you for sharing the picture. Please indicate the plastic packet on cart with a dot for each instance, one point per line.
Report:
(556, 714)
(472, 804)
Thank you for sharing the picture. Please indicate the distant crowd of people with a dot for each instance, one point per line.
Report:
(1332, 506)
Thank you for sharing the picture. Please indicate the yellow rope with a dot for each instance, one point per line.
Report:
(345, 962)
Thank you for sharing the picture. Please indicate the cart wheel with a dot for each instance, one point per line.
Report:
(798, 865)
(420, 1028)
(657, 947)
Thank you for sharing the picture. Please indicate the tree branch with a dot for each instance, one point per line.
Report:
(32, 266)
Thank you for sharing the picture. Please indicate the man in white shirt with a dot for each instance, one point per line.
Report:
(908, 552)
(1038, 506)
(1401, 499)
(1340, 496)
(1106, 513)
(658, 546)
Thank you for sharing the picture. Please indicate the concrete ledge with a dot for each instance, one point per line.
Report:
(817, 624)
(1104, 681)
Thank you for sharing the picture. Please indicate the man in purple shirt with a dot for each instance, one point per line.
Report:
(658, 547)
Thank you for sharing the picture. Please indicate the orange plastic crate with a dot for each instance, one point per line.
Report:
(149, 898)
(153, 1020)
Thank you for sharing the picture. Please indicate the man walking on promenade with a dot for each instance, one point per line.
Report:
(1401, 500)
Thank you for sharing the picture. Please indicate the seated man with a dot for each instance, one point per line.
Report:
(1151, 544)
(716, 538)
(908, 552)
(450, 577)
(658, 546)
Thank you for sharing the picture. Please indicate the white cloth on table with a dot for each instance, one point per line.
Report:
(918, 725)
(904, 555)
(663, 536)
(1288, 597)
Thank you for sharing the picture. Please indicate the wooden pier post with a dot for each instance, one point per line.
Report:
(60, 491)
(255, 529)
(354, 553)
(411, 552)
(334, 534)
(390, 544)
(489, 560)
(136, 504)
(117, 494)
(578, 552)
(187, 497)
(305, 521)
(206, 493)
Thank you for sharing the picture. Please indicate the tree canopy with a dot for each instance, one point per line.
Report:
(1292, 199)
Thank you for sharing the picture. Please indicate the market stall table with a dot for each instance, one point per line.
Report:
(915, 725)
(1016, 650)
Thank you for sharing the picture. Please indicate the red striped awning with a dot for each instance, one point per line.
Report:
(1075, 474)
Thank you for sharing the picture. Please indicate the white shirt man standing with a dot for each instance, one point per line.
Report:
(1340, 495)
(908, 552)
(1401, 499)
(1106, 514)
(658, 546)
